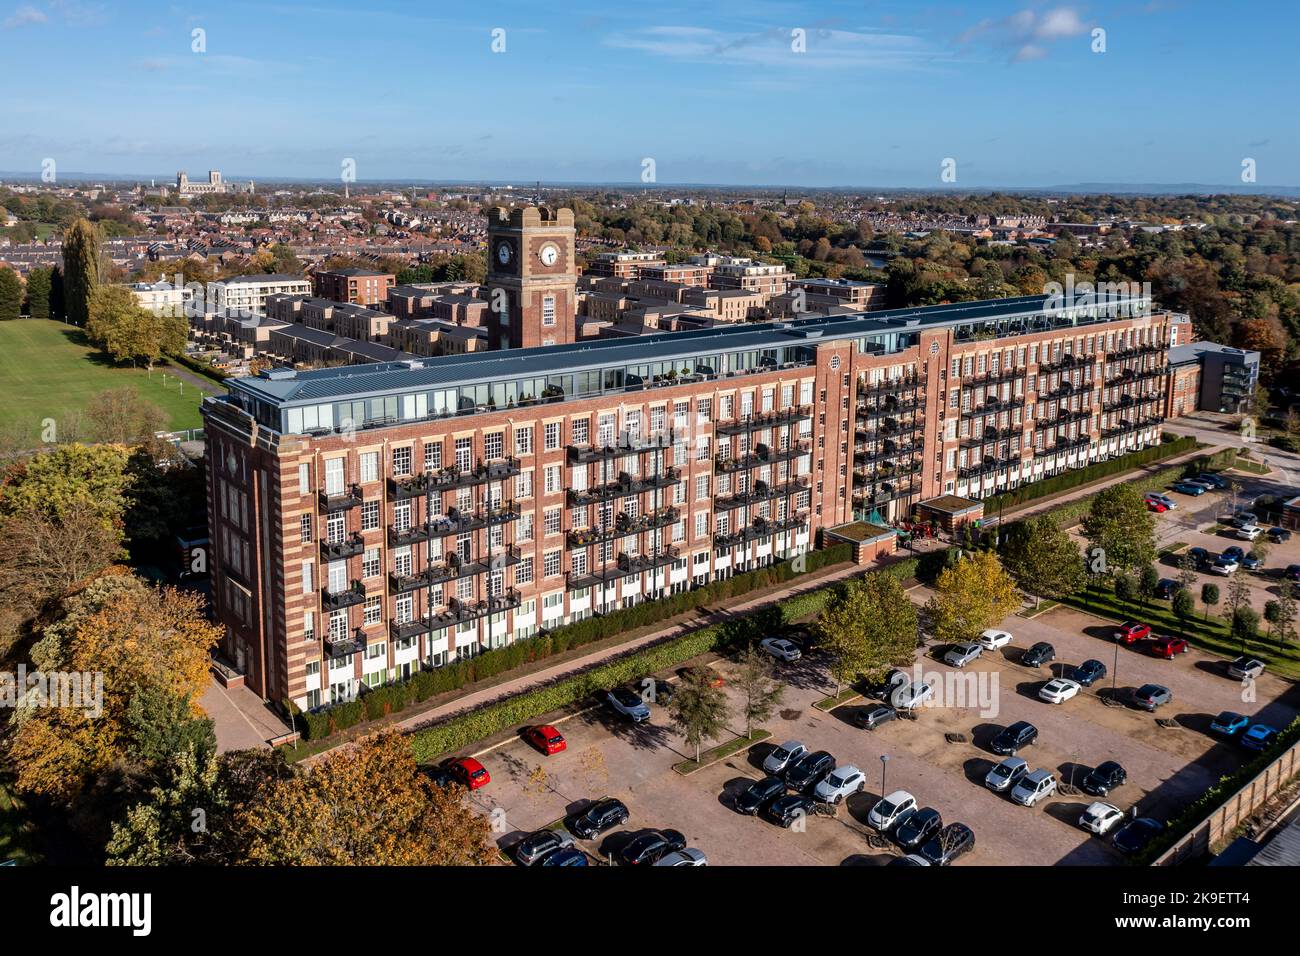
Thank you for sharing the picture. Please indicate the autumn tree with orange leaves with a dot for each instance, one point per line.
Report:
(368, 805)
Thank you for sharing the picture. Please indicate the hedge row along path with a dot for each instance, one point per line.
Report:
(614, 648)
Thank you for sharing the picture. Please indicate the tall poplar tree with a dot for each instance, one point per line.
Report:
(80, 270)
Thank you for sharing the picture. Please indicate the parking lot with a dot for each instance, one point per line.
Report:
(941, 757)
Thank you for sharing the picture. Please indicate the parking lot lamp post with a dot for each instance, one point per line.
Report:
(884, 766)
(1114, 670)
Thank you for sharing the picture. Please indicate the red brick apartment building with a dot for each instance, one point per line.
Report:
(373, 520)
(355, 286)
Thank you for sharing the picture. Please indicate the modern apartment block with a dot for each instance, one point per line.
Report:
(247, 295)
(371, 520)
(366, 287)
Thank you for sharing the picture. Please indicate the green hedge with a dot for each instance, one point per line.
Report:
(460, 731)
(1216, 796)
(425, 684)
(206, 370)
(1082, 476)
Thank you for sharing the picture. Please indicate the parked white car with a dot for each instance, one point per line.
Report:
(687, 856)
(783, 756)
(960, 655)
(892, 810)
(1100, 818)
(1246, 667)
(1033, 786)
(911, 696)
(1058, 690)
(992, 640)
(1250, 532)
(781, 649)
(840, 783)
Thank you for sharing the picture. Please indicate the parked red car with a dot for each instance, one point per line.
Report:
(1157, 506)
(1131, 632)
(546, 739)
(470, 773)
(1168, 647)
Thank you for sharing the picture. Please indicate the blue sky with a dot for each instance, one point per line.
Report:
(712, 92)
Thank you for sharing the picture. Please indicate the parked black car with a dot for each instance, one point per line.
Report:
(1105, 778)
(809, 770)
(600, 816)
(1089, 672)
(650, 846)
(759, 794)
(1038, 655)
(1020, 734)
(869, 718)
(949, 843)
(1200, 558)
(1165, 588)
(785, 810)
(1135, 836)
(442, 776)
(917, 829)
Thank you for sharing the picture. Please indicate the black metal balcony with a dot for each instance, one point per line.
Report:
(355, 593)
(590, 454)
(753, 423)
(891, 386)
(762, 491)
(1131, 401)
(887, 492)
(1127, 427)
(352, 545)
(1063, 446)
(993, 378)
(624, 486)
(758, 530)
(460, 611)
(1063, 419)
(449, 478)
(622, 526)
(1129, 376)
(886, 409)
(625, 564)
(343, 646)
(350, 498)
(452, 569)
(1120, 355)
(989, 466)
(1066, 389)
(890, 428)
(454, 521)
(1066, 362)
(863, 458)
(886, 473)
(994, 407)
(990, 435)
(762, 455)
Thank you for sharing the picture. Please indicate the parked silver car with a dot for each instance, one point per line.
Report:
(783, 756)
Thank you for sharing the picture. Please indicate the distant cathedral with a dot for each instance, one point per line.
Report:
(215, 184)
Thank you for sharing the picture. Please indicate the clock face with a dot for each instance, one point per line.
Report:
(503, 253)
(549, 254)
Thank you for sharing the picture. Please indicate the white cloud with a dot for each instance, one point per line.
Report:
(1027, 33)
(823, 48)
(25, 16)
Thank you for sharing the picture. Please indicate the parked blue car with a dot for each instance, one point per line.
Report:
(569, 857)
(1187, 488)
(1088, 673)
(1259, 737)
(1229, 723)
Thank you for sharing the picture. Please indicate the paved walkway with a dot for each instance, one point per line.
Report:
(241, 719)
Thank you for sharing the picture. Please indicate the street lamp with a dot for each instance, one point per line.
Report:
(884, 766)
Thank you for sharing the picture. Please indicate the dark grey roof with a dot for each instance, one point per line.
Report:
(477, 367)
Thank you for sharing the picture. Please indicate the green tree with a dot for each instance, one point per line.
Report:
(1285, 614)
(972, 596)
(1186, 572)
(161, 725)
(11, 294)
(1120, 526)
(1147, 582)
(1244, 625)
(760, 692)
(1125, 588)
(1043, 559)
(39, 291)
(698, 708)
(1209, 597)
(1184, 606)
(841, 630)
(80, 270)
(129, 332)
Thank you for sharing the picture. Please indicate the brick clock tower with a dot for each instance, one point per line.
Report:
(532, 277)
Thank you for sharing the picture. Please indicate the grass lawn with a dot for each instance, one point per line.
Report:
(1211, 635)
(48, 369)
